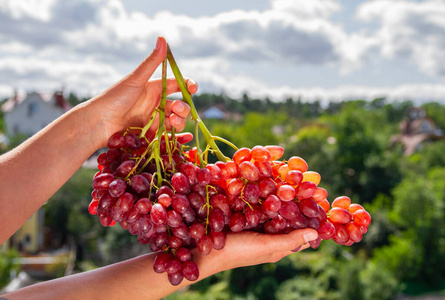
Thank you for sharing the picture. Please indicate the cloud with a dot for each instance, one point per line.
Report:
(415, 30)
(87, 45)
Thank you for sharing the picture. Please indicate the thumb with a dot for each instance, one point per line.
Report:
(145, 70)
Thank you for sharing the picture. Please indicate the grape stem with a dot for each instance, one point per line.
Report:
(161, 129)
(186, 97)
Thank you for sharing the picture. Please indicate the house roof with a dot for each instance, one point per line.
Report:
(57, 99)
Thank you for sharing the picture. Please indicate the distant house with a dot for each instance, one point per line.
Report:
(29, 113)
(416, 129)
(218, 112)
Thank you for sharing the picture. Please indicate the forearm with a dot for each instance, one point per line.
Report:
(131, 279)
(31, 173)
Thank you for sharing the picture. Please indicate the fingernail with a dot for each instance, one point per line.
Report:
(310, 236)
(158, 43)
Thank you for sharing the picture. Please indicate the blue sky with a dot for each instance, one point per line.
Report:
(326, 50)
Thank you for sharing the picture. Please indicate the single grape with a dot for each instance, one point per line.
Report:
(102, 159)
(180, 203)
(117, 140)
(355, 234)
(260, 153)
(190, 271)
(242, 155)
(326, 230)
(362, 217)
(102, 181)
(125, 168)
(312, 177)
(93, 206)
(308, 207)
(339, 215)
(237, 222)
(183, 254)
(117, 187)
(306, 190)
(140, 184)
(180, 183)
(173, 265)
(215, 172)
(252, 215)
(297, 163)
(276, 152)
(342, 201)
(286, 192)
(181, 231)
(218, 239)
(132, 141)
(320, 195)
(132, 215)
(205, 245)
(143, 206)
(175, 278)
(354, 207)
(158, 214)
(197, 231)
(174, 218)
(272, 204)
(203, 176)
(294, 177)
(189, 216)
(289, 210)
(116, 214)
(249, 171)
(174, 242)
(145, 223)
(216, 220)
(341, 235)
(267, 187)
(189, 170)
(251, 193)
(235, 186)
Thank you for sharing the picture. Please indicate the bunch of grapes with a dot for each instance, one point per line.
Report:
(172, 199)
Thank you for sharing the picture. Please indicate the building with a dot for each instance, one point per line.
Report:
(218, 112)
(29, 113)
(416, 129)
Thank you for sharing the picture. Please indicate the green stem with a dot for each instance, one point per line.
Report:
(161, 128)
(188, 99)
(225, 141)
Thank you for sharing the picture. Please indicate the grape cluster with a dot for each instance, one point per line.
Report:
(174, 201)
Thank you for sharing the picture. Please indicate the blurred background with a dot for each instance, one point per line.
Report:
(354, 87)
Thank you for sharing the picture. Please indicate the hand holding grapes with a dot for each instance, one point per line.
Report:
(131, 101)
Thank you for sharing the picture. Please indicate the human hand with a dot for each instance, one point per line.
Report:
(249, 248)
(131, 101)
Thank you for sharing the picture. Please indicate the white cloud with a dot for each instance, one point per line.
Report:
(410, 29)
(36, 9)
(89, 44)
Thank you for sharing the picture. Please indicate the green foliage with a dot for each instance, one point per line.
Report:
(7, 266)
(349, 144)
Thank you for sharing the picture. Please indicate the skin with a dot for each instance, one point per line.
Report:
(35, 170)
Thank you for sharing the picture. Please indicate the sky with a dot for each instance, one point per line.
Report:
(326, 50)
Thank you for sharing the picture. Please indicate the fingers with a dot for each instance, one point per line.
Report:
(177, 112)
(180, 108)
(292, 240)
(175, 121)
(146, 69)
(184, 138)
